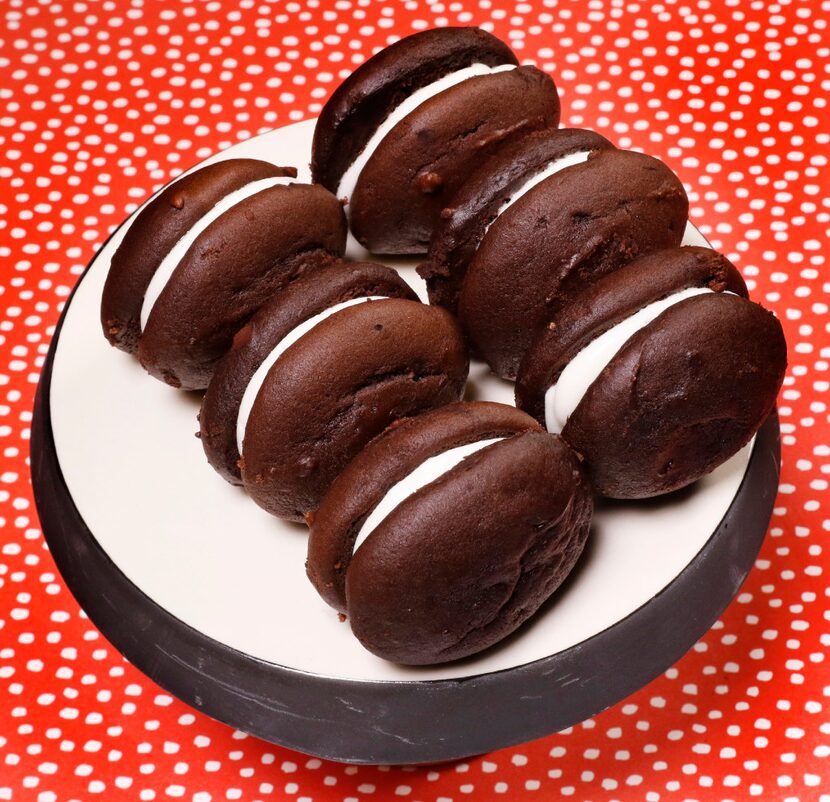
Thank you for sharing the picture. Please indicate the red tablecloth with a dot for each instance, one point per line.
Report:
(103, 102)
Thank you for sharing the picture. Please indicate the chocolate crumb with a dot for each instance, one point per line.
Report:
(429, 182)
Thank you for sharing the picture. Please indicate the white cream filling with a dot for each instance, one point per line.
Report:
(562, 398)
(557, 165)
(428, 471)
(171, 261)
(349, 179)
(256, 382)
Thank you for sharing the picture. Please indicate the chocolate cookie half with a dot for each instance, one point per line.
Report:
(326, 384)
(657, 373)
(448, 531)
(403, 132)
(281, 321)
(582, 222)
(489, 191)
(204, 254)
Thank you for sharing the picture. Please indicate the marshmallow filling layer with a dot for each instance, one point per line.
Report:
(257, 380)
(428, 471)
(562, 398)
(171, 261)
(349, 179)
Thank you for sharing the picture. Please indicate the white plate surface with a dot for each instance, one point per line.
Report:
(203, 551)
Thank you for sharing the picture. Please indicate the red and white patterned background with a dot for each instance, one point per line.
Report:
(101, 102)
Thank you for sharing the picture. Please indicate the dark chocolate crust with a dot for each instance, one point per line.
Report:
(428, 155)
(374, 89)
(475, 206)
(306, 297)
(156, 229)
(239, 261)
(610, 300)
(569, 230)
(385, 461)
(683, 395)
(460, 565)
(339, 386)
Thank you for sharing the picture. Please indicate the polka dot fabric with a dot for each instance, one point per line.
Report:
(102, 102)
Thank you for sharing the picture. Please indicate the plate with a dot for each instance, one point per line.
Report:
(207, 594)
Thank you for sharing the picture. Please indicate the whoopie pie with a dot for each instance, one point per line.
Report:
(222, 421)
(586, 219)
(204, 254)
(316, 373)
(488, 192)
(403, 132)
(449, 530)
(656, 373)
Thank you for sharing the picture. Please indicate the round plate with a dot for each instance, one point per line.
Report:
(207, 594)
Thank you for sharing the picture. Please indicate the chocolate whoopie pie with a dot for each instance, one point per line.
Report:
(579, 223)
(489, 191)
(222, 422)
(204, 254)
(449, 530)
(656, 373)
(403, 132)
(316, 374)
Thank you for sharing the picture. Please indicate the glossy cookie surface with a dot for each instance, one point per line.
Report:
(682, 396)
(483, 197)
(569, 230)
(463, 561)
(608, 302)
(402, 133)
(305, 299)
(157, 228)
(240, 231)
(366, 97)
(656, 373)
(339, 386)
(426, 158)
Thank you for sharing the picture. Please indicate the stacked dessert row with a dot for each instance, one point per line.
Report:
(334, 396)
